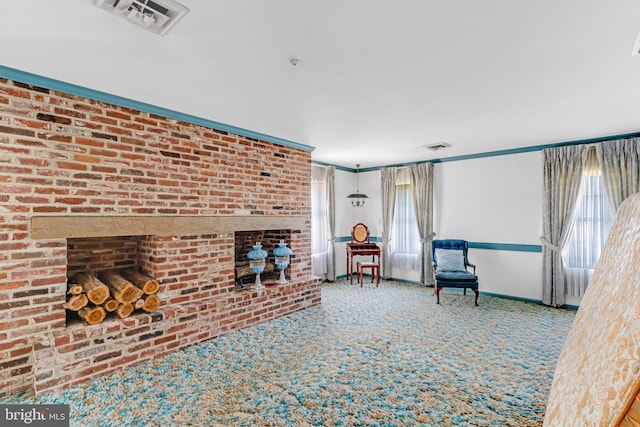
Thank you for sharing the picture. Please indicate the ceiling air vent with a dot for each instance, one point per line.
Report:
(437, 146)
(157, 16)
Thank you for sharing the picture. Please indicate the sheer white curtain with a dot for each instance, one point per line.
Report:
(319, 221)
(593, 220)
(405, 244)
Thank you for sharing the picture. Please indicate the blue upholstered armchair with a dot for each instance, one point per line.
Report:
(450, 264)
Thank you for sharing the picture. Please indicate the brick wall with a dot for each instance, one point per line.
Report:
(65, 155)
(102, 253)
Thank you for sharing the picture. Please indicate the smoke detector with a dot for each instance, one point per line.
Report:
(437, 146)
(157, 16)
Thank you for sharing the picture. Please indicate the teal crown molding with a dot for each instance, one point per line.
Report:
(340, 168)
(58, 85)
(496, 153)
(52, 84)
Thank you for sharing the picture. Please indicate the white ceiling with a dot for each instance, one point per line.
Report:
(377, 79)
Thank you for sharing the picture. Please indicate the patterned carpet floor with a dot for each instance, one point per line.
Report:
(386, 356)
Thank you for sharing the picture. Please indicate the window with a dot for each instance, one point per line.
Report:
(319, 222)
(405, 237)
(591, 224)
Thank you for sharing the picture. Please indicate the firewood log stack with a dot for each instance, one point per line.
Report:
(112, 291)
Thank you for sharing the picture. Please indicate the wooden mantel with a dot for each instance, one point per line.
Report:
(54, 227)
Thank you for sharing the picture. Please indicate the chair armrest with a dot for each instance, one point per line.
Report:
(474, 267)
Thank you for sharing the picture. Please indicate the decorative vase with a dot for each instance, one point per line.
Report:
(282, 256)
(257, 262)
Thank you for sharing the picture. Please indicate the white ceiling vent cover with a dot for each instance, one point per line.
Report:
(437, 146)
(157, 16)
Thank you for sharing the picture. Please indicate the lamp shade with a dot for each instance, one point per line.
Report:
(282, 254)
(257, 263)
(357, 198)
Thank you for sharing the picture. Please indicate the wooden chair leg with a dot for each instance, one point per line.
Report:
(437, 295)
(477, 293)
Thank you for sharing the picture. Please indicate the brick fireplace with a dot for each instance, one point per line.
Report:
(88, 186)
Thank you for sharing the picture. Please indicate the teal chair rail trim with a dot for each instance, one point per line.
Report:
(513, 247)
(343, 239)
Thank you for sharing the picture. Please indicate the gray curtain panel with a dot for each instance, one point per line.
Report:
(388, 191)
(331, 222)
(562, 174)
(619, 160)
(422, 176)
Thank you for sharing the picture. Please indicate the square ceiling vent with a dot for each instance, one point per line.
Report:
(157, 16)
(437, 146)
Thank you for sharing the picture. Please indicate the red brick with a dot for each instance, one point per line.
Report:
(92, 370)
(33, 124)
(15, 343)
(73, 347)
(136, 163)
(71, 165)
(61, 338)
(163, 340)
(27, 312)
(124, 360)
(14, 324)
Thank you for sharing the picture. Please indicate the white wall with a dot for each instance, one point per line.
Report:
(347, 216)
(488, 200)
(494, 200)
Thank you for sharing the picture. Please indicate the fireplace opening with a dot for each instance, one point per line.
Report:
(244, 242)
(104, 279)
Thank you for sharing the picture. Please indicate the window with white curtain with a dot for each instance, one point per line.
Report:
(319, 222)
(404, 247)
(592, 221)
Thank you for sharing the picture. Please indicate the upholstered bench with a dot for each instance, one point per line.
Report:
(375, 271)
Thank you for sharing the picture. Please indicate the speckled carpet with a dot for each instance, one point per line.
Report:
(386, 356)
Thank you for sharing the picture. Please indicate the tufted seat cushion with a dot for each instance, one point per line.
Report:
(459, 276)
